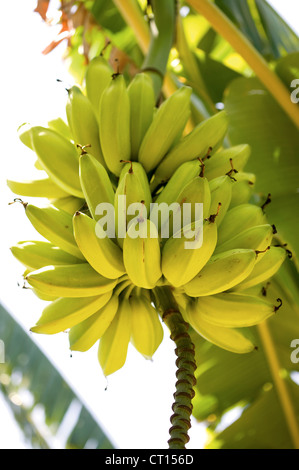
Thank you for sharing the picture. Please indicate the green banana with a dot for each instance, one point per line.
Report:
(85, 334)
(24, 134)
(101, 253)
(61, 127)
(75, 280)
(197, 144)
(43, 187)
(97, 78)
(83, 122)
(242, 189)
(68, 204)
(141, 254)
(36, 254)
(171, 116)
(180, 265)
(142, 105)
(221, 193)
(114, 124)
(222, 272)
(59, 157)
(64, 313)
(223, 161)
(257, 238)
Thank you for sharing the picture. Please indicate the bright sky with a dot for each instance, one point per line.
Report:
(140, 393)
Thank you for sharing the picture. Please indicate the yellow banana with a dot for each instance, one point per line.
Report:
(171, 116)
(233, 310)
(101, 253)
(83, 122)
(265, 268)
(85, 334)
(242, 189)
(114, 343)
(223, 161)
(222, 272)
(95, 182)
(43, 187)
(147, 331)
(141, 254)
(115, 124)
(206, 135)
(221, 193)
(142, 104)
(37, 254)
(69, 204)
(75, 280)
(97, 78)
(59, 157)
(257, 238)
(238, 219)
(226, 338)
(61, 127)
(180, 265)
(64, 313)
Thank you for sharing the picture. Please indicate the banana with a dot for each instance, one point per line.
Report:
(114, 124)
(95, 182)
(222, 161)
(141, 254)
(64, 313)
(101, 253)
(238, 219)
(257, 238)
(83, 122)
(170, 118)
(55, 225)
(226, 338)
(85, 334)
(114, 343)
(233, 310)
(43, 296)
(142, 105)
(147, 331)
(61, 127)
(265, 268)
(133, 184)
(207, 135)
(43, 187)
(180, 265)
(222, 272)
(242, 189)
(24, 134)
(97, 78)
(74, 280)
(59, 158)
(37, 254)
(221, 193)
(68, 204)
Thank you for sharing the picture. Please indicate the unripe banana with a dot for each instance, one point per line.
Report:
(114, 343)
(76, 280)
(142, 104)
(257, 238)
(96, 185)
(37, 254)
(206, 135)
(64, 313)
(101, 253)
(115, 124)
(223, 161)
(222, 272)
(42, 295)
(172, 115)
(55, 225)
(69, 204)
(147, 331)
(85, 334)
(265, 268)
(226, 338)
(221, 193)
(59, 157)
(242, 188)
(44, 187)
(180, 265)
(97, 78)
(24, 134)
(83, 123)
(61, 127)
(142, 254)
(233, 310)
(238, 219)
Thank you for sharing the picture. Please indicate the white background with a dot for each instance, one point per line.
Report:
(140, 394)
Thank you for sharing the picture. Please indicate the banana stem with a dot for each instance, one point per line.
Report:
(240, 43)
(182, 406)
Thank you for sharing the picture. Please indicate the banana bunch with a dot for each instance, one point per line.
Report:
(132, 202)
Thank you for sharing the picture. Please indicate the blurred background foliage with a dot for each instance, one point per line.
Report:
(249, 401)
